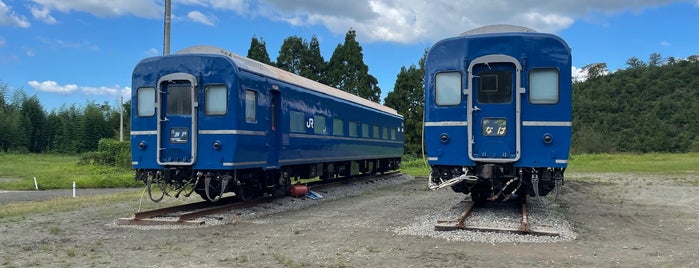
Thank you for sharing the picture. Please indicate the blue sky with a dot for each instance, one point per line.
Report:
(75, 51)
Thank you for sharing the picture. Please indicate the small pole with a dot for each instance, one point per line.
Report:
(166, 35)
(36, 185)
(74, 189)
(121, 118)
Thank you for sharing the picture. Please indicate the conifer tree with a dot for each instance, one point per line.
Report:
(258, 51)
(347, 71)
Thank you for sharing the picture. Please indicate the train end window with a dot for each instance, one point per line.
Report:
(448, 88)
(543, 86)
(250, 106)
(145, 100)
(215, 100)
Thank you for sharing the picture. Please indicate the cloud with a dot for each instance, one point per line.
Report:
(138, 8)
(69, 44)
(152, 52)
(54, 87)
(665, 43)
(42, 14)
(579, 75)
(199, 17)
(411, 21)
(8, 17)
(2, 42)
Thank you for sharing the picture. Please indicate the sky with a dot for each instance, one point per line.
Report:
(79, 51)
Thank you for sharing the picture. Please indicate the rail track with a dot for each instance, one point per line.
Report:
(459, 224)
(196, 213)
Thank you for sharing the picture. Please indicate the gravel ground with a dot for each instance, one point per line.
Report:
(606, 220)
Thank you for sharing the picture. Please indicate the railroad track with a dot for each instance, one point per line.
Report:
(195, 213)
(459, 224)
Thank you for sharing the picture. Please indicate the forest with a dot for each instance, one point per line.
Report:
(649, 106)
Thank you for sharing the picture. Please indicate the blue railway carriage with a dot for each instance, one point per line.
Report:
(498, 112)
(208, 121)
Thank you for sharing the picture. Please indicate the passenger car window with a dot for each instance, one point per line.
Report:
(338, 129)
(352, 128)
(250, 106)
(319, 125)
(297, 122)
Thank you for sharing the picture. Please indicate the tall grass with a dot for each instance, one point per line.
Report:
(17, 172)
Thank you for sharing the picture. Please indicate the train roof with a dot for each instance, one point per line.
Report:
(498, 28)
(282, 75)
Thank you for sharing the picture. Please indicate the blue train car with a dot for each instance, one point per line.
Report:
(208, 121)
(498, 112)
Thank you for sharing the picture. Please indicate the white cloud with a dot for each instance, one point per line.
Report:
(69, 44)
(8, 17)
(138, 8)
(579, 75)
(29, 52)
(410, 21)
(54, 87)
(2, 42)
(42, 14)
(665, 43)
(199, 17)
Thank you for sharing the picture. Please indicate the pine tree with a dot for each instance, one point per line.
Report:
(258, 51)
(312, 62)
(408, 98)
(290, 54)
(347, 71)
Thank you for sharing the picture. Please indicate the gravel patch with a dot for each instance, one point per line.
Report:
(542, 216)
(282, 204)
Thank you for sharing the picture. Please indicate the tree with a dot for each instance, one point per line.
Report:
(258, 51)
(655, 60)
(290, 54)
(312, 63)
(33, 124)
(635, 62)
(595, 70)
(408, 98)
(347, 71)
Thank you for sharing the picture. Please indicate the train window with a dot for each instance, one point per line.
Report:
(146, 101)
(448, 88)
(385, 133)
(338, 129)
(297, 122)
(495, 87)
(376, 132)
(352, 128)
(319, 125)
(543, 86)
(250, 106)
(365, 130)
(179, 99)
(393, 134)
(215, 100)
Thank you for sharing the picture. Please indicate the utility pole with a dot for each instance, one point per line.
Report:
(121, 118)
(166, 42)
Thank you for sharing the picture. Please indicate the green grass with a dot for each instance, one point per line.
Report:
(635, 163)
(17, 172)
(602, 163)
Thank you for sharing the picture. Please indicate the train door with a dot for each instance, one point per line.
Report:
(177, 119)
(274, 136)
(494, 109)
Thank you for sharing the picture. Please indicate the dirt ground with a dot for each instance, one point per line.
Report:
(621, 220)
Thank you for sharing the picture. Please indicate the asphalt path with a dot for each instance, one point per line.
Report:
(19, 196)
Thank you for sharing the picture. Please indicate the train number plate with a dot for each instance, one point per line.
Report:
(178, 135)
(494, 126)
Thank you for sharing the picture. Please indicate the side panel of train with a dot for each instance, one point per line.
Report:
(498, 112)
(199, 119)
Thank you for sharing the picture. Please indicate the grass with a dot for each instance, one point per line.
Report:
(15, 211)
(601, 163)
(52, 171)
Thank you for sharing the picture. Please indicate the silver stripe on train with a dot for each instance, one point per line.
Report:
(232, 132)
(547, 123)
(447, 124)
